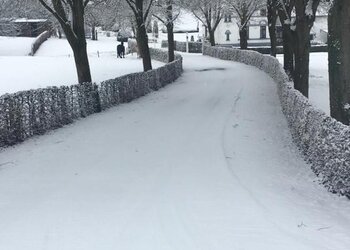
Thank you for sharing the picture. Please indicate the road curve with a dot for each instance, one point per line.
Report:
(206, 163)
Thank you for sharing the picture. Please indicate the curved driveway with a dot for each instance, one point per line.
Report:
(206, 163)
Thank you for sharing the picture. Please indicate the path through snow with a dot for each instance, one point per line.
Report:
(205, 163)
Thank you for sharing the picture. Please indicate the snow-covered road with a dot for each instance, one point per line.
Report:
(206, 163)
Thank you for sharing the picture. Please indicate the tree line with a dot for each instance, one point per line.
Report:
(297, 18)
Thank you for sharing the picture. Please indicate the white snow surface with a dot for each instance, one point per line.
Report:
(15, 46)
(205, 163)
(60, 47)
(53, 65)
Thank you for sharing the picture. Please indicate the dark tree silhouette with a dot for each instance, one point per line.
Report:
(305, 17)
(165, 14)
(74, 30)
(339, 60)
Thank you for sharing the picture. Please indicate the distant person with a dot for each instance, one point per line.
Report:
(121, 50)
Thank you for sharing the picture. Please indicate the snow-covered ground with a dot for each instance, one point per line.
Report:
(60, 47)
(185, 22)
(15, 46)
(319, 80)
(205, 163)
(179, 37)
(54, 65)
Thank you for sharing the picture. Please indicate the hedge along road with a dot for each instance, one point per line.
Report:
(205, 163)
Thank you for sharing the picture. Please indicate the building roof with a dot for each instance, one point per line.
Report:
(26, 20)
(186, 22)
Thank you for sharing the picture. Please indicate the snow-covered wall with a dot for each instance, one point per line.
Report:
(324, 141)
(28, 113)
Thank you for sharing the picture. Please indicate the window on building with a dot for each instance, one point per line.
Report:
(262, 32)
(227, 18)
(228, 34)
(263, 12)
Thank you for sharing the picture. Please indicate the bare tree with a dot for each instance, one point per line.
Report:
(339, 60)
(285, 8)
(305, 17)
(70, 14)
(209, 13)
(244, 10)
(164, 12)
(141, 10)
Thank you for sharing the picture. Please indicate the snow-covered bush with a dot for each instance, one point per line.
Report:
(35, 112)
(324, 141)
(39, 41)
(193, 47)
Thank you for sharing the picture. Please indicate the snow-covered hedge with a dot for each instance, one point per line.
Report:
(193, 47)
(35, 112)
(324, 141)
(39, 41)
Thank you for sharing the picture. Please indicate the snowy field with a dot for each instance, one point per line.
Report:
(184, 23)
(15, 46)
(206, 163)
(319, 80)
(54, 65)
(60, 47)
(180, 37)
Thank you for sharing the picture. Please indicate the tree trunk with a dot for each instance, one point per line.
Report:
(272, 19)
(305, 18)
(302, 49)
(302, 57)
(288, 51)
(59, 33)
(75, 34)
(288, 38)
(170, 30)
(142, 42)
(82, 62)
(171, 42)
(243, 37)
(93, 33)
(339, 60)
(212, 37)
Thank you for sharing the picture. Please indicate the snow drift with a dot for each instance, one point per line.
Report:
(324, 141)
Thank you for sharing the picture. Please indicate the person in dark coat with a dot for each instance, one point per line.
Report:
(121, 50)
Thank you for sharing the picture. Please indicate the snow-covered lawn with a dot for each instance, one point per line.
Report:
(54, 65)
(15, 46)
(205, 163)
(319, 81)
(60, 47)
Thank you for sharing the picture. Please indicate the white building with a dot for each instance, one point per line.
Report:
(258, 33)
